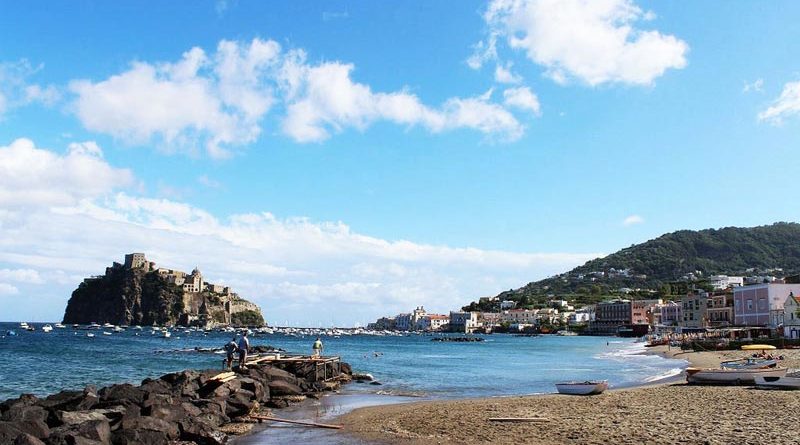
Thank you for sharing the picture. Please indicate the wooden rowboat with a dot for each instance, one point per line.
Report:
(582, 388)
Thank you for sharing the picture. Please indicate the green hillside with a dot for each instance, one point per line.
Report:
(671, 263)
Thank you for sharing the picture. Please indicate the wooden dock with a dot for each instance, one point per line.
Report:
(326, 368)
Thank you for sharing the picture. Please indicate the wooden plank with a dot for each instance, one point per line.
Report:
(297, 422)
(227, 379)
(222, 375)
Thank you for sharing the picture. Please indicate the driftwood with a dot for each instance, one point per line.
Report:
(297, 422)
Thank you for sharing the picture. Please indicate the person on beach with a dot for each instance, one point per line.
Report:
(244, 346)
(317, 348)
(230, 349)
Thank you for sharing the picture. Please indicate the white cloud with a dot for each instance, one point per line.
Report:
(7, 289)
(282, 264)
(522, 98)
(632, 220)
(503, 74)
(757, 86)
(21, 275)
(215, 101)
(787, 105)
(323, 99)
(209, 182)
(16, 90)
(594, 41)
(31, 176)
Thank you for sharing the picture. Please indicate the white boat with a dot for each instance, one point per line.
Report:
(118, 329)
(768, 382)
(47, 328)
(167, 334)
(23, 325)
(106, 333)
(731, 376)
(59, 326)
(90, 335)
(749, 363)
(582, 388)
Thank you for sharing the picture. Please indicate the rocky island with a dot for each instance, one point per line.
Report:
(137, 292)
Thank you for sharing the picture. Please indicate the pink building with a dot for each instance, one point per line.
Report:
(761, 304)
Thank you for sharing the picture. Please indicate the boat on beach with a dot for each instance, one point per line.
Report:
(749, 363)
(722, 376)
(586, 388)
(768, 382)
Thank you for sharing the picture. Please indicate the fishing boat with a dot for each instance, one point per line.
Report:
(47, 328)
(721, 376)
(586, 388)
(768, 382)
(749, 363)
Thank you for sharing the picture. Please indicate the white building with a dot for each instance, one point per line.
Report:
(433, 322)
(521, 316)
(791, 317)
(507, 304)
(722, 282)
(464, 321)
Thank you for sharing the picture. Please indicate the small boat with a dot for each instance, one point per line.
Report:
(768, 382)
(11, 333)
(90, 335)
(118, 329)
(730, 376)
(758, 348)
(106, 333)
(167, 334)
(23, 325)
(59, 326)
(582, 388)
(47, 328)
(749, 363)
(29, 327)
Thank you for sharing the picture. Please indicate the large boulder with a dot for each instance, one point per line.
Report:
(121, 393)
(27, 439)
(201, 433)
(89, 432)
(63, 401)
(23, 400)
(156, 386)
(345, 368)
(260, 393)
(283, 388)
(240, 404)
(139, 437)
(272, 373)
(9, 432)
(152, 424)
(212, 411)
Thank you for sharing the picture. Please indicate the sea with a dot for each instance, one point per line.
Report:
(408, 368)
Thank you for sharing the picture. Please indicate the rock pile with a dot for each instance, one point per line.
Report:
(187, 406)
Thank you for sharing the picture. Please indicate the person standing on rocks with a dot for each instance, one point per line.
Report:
(244, 346)
(230, 349)
(317, 347)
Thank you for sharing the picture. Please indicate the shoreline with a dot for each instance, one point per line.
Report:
(350, 434)
(662, 412)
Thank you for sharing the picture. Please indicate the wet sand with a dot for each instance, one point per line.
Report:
(667, 413)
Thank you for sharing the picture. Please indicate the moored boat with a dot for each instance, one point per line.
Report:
(721, 376)
(586, 388)
(47, 328)
(769, 382)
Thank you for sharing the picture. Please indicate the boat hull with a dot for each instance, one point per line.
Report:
(581, 388)
(730, 376)
(787, 383)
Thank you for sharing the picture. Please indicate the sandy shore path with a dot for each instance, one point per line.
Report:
(662, 414)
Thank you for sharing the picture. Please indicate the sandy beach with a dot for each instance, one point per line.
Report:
(667, 413)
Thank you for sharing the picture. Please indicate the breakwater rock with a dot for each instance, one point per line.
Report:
(186, 406)
(458, 339)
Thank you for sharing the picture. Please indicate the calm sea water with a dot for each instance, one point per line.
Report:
(43, 363)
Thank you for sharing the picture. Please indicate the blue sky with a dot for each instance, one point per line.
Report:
(369, 157)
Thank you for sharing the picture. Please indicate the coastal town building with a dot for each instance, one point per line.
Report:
(610, 315)
(466, 322)
(642, 311)
(521, 316)
(433, 322)
(791, 317)
(722, 282)
(581, 316)
(762, 304)
(403, 322)
(671, 314)
(507, 304)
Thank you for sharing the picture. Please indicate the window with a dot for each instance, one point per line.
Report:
(749, 304)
